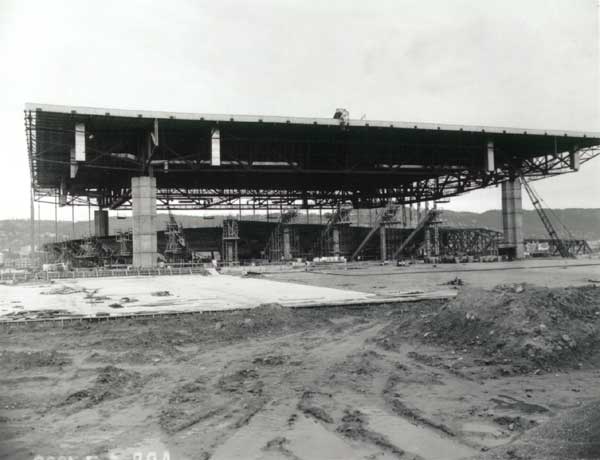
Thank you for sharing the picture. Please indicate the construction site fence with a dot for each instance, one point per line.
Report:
(102, 273)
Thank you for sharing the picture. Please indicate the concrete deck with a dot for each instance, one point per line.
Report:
(187, 293)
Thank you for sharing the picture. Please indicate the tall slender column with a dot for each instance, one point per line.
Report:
(287, 246)
(143, 197)
(336, 241)
(32, 222)
(383, 243)
(512, 215)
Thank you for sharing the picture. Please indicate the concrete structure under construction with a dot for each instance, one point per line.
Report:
(101, 223)
(144, 160)
(512, 217)
(143, 195)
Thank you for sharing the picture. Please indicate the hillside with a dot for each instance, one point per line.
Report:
(583, 223)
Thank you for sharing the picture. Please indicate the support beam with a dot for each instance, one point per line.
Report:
(143, 197)
(101, 223)
(512, 216)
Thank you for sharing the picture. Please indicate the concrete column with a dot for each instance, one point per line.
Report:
(230, 251)
(336, 241)
(512, 215)
(215, 147)
(101, 223)
(287, 246)
(574, 160)
(383, 243)
(489, 157)
(427, 242)
(143, 198)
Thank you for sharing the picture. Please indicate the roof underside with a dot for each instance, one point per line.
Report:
(319, 161)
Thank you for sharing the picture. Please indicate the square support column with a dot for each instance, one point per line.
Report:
(512, 216)
(143, 198)
(101, 223)
(336, 241)
(287, 244)
(382, 243)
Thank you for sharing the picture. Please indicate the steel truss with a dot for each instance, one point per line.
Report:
(455, 242)
(303, 172)
(574, 247)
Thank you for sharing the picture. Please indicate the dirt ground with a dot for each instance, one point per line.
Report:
(510, 372)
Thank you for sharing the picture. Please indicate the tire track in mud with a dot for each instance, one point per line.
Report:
(399, 408)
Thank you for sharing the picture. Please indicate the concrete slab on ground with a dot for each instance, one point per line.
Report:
(185, 293)
(389, 279)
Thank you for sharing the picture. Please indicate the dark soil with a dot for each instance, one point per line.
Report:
(529, 327)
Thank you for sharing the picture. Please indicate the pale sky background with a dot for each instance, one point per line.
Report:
(524, 63)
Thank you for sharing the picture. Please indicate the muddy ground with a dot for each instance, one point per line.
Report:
(507, 373)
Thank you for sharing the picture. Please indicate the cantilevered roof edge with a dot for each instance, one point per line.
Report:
(127, 113)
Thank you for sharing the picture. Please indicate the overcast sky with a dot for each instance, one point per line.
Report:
(524, 63)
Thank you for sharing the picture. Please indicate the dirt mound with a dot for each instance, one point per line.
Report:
(535, 327)
(111, 383)
(571, 435)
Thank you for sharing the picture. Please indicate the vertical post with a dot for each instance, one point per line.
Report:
(215, 147)
(39, 226)
(489, 157)
(56, 218)
(574, 160)
(382, 242)
(287, 246)
(143, 198)
(32, 217)
(512, 216)
(336, 241)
